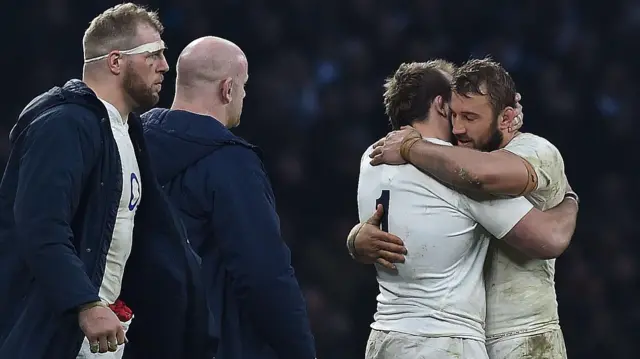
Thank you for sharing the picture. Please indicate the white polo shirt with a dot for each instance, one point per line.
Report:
(439, 290)
(521, 295)
(120, 247)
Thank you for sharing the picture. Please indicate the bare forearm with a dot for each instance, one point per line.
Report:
(458, 167)
(556, 236)
(545, 235)
(565, 215)
(494, 173)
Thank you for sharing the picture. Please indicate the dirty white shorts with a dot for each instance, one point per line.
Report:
(549, 345)
(395, 345)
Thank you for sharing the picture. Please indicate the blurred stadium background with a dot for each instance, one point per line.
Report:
(314, 104)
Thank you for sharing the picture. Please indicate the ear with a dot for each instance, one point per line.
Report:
(505, 120)
(114, 63)
(226, 90)
(440, 106)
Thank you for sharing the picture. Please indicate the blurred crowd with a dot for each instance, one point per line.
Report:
(314, 105)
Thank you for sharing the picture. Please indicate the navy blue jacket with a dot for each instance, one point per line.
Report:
(218, 183)
(58, 203)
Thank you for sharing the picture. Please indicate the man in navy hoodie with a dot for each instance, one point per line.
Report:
(77, 180)
(219, 184)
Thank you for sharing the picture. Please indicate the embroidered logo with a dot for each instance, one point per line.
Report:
(135, 192)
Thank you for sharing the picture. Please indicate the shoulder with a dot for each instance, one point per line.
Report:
(366, 153)
(238, 153)
(542, 155)
(71, 115)
(538, 151)
(530, 145)
(66, 119)
(236, 171)
(233, 162)
(531, 139)
(364, 159)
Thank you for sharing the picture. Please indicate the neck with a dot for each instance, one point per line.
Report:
(116, 98)
(201, 107)
(507, 137)
(432, 129)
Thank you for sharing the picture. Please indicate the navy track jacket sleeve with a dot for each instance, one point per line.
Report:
(247, 228)
(55, 152)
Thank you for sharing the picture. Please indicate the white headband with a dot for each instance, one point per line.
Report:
(149, 47)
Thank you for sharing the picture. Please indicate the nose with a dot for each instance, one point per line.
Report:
(164, 65)
(457, 127)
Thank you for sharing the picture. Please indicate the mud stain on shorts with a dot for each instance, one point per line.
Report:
(539, 347)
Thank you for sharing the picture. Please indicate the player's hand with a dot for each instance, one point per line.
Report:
(518, 120)
(387, 150)
(102, 328)
(375, 246)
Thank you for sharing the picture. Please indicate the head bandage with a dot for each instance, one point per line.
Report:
(149, 47)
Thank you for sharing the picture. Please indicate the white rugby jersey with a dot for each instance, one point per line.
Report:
(120, 247)
(521, 296)
(439, 290)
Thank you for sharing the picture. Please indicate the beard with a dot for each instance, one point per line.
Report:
(142, 95)
(494, 140)
(491, 143)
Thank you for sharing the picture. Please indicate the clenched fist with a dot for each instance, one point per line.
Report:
(102, 327)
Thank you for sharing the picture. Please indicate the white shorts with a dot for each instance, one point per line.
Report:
(394, 345)
(549, 345)
(85, 350)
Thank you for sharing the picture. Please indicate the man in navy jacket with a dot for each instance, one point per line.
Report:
(59, 199)
(219, 184)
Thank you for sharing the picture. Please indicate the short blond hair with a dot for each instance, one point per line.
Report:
(411, 90)
(116, 29)
(445, 66)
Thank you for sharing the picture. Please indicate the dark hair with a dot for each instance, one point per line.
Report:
(411, 90)
(488, 78)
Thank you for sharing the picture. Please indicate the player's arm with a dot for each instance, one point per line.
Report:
(498, 172)
(247, 230)
(546, 234)
(57, 152)
(537, 234)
